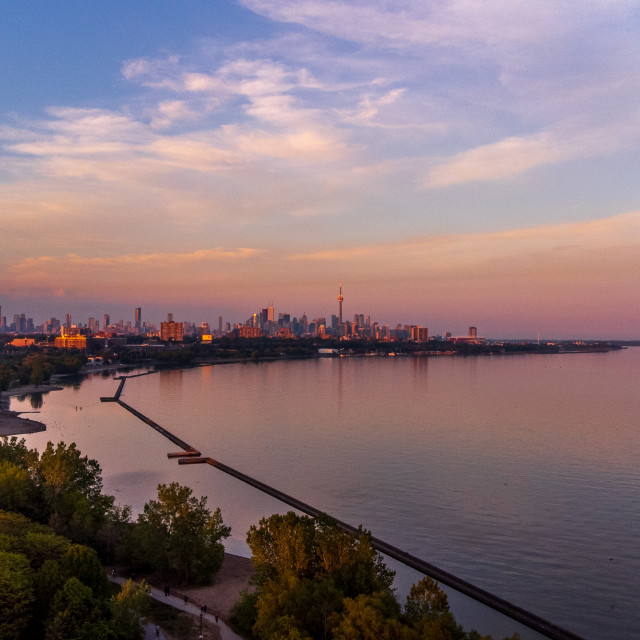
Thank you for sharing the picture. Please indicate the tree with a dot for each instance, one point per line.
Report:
(82, 562)
(305, 568)
(127, 607)
(39, 546)
(16, 594)
(309, 604)
(282, 545)
(425, 599)
(16, 487)
(16, 451)
(317, 548)
(427, 609)
(15, 524)
(113, 531)
(72, 485)
(244, 612)
(39, 368)
(373, 617)
(48, 579)
(64, 467)
(73, 606)
(185, 535)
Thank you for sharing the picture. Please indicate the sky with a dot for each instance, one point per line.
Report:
(454, 163)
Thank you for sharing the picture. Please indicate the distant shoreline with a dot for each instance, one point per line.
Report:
(11, 424)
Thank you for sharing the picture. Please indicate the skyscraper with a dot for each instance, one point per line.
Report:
(138, 318)
(340, 299)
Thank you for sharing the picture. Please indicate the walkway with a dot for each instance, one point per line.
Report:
(226, 633)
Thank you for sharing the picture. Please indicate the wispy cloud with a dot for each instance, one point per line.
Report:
(145, 259)
(88, 274)
(550, 249)
(515, 155)
(402, 23)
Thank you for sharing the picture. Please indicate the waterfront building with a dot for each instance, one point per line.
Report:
(170, 330)
(22, 342)
(246, 331)
(71, 342)
(471, 338)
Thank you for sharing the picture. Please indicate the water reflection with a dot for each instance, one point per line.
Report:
(36, 400)
(519, 474)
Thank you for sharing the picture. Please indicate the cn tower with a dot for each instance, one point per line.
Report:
(340, 298)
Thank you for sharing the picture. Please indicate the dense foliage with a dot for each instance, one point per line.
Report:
(56, 528)
(315, 581)
(34, 366)
(54, 589)
(178, 537)
(60, 487)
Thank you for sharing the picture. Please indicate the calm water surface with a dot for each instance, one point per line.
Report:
(520, 474)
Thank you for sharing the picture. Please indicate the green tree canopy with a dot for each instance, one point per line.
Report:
(426, 598)
(17, 489)
(372, 617)
(74, 608)
(305, 568)
(82, 562)
(318, 549)
(127, 607)
(178, 535)
(72, 486)
(16, 594)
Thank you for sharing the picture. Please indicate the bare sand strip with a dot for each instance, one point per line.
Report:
(230, 581)
(11, 423)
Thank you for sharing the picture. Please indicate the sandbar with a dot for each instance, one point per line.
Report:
(11, 424)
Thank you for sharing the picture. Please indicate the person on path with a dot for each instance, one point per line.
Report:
(157, 631)
(185, 600)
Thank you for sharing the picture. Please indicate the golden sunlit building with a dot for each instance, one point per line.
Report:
(249, 332)
(22, 342)
(71, 342)
(171, 330)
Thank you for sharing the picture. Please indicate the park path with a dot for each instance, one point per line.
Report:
(226, 633)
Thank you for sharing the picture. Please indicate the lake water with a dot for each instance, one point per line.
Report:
(520, 474)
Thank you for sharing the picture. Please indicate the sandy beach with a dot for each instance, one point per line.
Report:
(229, 582)
(11, 423)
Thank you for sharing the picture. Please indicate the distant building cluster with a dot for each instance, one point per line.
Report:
(261, 324)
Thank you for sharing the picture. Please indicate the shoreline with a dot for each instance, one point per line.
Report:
(11, 422)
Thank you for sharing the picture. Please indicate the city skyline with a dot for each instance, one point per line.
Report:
(452, 164)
